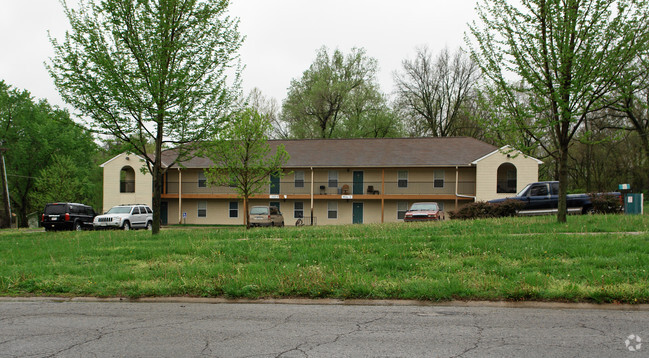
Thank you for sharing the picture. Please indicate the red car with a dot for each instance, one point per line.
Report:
(423, 212)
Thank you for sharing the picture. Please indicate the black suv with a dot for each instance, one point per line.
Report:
(67, 216)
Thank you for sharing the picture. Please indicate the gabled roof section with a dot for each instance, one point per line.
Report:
(117, 156)
(505, 150)
(367, 153)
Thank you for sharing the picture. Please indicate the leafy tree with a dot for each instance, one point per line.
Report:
(150, 71)
(334, 91)
(61, 181)
(432, 93)
(268, 107)
(35, 132)
(244, 159)
(566, 54)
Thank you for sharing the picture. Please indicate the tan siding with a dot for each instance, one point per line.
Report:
(143, 183)
(527, 171)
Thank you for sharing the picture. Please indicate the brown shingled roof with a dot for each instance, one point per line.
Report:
(383, 152)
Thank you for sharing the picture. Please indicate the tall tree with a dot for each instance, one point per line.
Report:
(330, 92)
(243, 158)
(567, 53)
(432, 93)
(150, 71)
(33, 133)
(268, 108)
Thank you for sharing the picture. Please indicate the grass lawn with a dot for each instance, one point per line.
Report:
(587, 259)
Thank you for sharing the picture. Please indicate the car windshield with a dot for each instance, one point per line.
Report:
(259, 210)
(423, 207)
(119, 210)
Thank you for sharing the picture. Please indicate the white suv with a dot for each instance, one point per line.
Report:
(126, 217)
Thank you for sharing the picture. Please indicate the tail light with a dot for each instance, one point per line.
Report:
(268, 217)
(67, 217)
(42, 217)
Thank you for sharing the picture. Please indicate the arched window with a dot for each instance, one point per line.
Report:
(127, 180)
(506, 178)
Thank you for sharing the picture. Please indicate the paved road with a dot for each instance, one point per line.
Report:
(98, 329)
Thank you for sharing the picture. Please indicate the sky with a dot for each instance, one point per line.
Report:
(282, 37)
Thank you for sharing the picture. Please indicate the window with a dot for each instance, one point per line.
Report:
(332, 210)
(402, 207)
(506, 181)
(135, 211)
(202, 209)
(299, 179)
(234, 209)
(298, 209)
(202, 180)
(438, 179)
(402, 177)
(333, 179)
(539, 190)
(127, 180)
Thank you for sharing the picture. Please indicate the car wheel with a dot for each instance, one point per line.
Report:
(127, 226)
(272, 223)
(77, 226)
(282, 224)
(149, 225)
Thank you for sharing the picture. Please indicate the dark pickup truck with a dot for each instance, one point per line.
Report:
(543, 198)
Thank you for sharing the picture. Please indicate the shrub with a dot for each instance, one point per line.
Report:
(509, 207)
(606, 203)
(484, 210)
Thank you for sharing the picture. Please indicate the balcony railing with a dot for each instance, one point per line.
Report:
(341, 188)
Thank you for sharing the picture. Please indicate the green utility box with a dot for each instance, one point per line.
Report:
(633, 203)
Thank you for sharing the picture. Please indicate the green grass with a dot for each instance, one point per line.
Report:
(587, 259)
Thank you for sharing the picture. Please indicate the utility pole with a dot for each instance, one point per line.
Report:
(5, 187)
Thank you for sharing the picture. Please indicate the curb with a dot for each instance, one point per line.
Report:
(339, 302)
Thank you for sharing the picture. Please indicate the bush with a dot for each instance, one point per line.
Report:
(606, 203)
(484, 210)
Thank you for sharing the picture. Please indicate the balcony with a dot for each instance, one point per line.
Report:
(368, 189)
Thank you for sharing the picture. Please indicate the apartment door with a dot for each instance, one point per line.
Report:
(358, 183)
(357, 213)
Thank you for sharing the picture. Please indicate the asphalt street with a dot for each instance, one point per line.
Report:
(181, 329)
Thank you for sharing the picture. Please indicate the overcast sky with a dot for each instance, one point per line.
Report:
(282, 37)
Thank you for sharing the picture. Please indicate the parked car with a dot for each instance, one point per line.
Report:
(423, 212)
(126, 217)
(543, 198)
(67, 216)
(266, 216)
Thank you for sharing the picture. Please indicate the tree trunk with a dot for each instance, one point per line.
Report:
(246, 216)
(6, 218)
(157, 181)
(563, 183)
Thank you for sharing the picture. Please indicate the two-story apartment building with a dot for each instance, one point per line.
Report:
(335, 181)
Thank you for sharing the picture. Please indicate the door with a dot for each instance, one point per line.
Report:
(274, 184)
(357, 213)
(163, 212)
(358, 183)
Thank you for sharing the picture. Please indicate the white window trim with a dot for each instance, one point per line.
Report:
(400, 179)
(201, 177)
(443, 178)
(299, 177)
(333, 175)
(295, 209)
(404, 211)
(198, 211)
(230, 209)
(335, 209)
